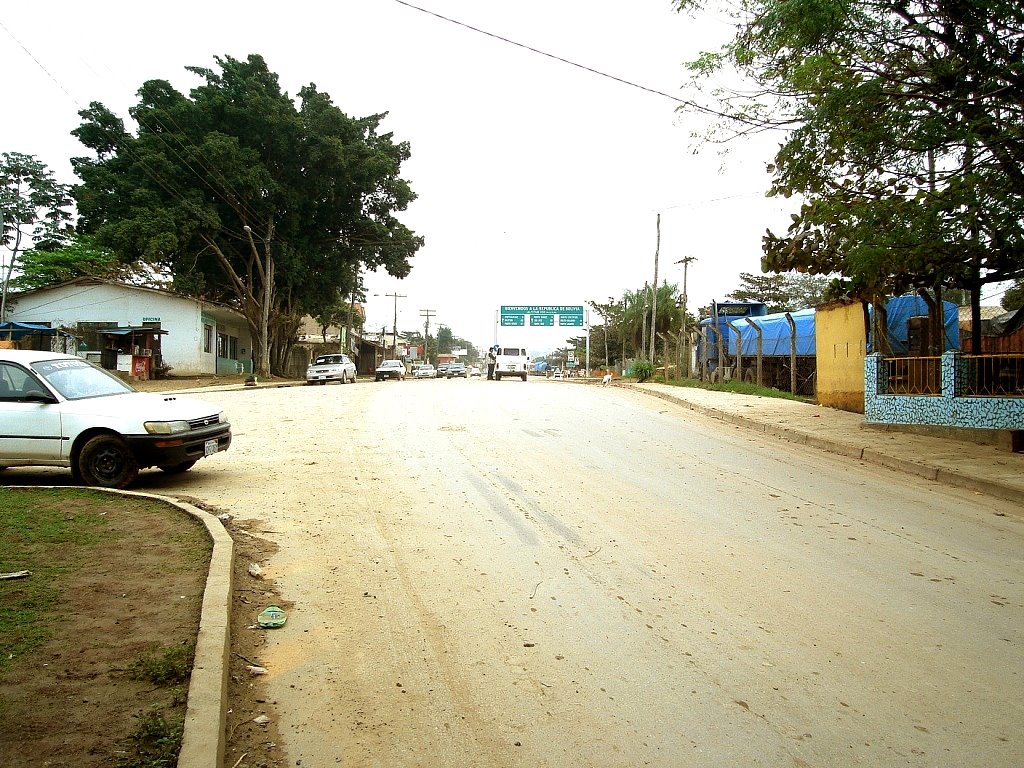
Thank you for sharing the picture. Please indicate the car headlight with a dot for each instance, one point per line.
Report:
(166, 427)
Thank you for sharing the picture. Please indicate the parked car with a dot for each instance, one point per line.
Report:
(331, 368)
(62, 411)
(474, 371)
(391, 369)
(457, 370)
(442, 370)
(424, 371)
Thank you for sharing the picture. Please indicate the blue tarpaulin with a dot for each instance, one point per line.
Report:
(902, 308)
(16, 331)
(775, 332)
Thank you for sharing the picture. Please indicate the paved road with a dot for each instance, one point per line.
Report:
(546, 574)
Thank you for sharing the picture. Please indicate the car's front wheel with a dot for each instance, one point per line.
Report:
(106, 461)
(344, 377)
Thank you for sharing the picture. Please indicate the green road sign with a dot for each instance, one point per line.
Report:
(542, 309)
(542, 319)
(513, 319)
(570, 320)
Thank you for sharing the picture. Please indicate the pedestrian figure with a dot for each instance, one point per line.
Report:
(491, 361)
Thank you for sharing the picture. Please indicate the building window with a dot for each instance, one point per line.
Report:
(222, 345)
(233, 347)
(91, 337)
(207, 338)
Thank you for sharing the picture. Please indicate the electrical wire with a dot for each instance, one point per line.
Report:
(684, 102)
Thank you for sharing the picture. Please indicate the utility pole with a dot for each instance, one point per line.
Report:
(394, 327)
(426, 313)
(654, 300)
(685, 261)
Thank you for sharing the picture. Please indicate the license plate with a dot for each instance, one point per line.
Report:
(210, 448)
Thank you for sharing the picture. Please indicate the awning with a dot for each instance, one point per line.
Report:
(12, 330)
(129, 330)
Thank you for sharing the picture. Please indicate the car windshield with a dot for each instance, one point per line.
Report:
(330, 360)
(391, 364)
(78, 379)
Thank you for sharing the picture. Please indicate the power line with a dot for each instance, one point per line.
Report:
(599, 73)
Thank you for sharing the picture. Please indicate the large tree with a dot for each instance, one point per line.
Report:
(79, 257)
(34, 213)
(246, 197)
(905, 135)
(782, 292)
(638, 313)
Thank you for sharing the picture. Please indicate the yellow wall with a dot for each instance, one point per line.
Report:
(840, 341)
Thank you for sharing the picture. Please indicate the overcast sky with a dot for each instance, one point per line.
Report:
(538, 182)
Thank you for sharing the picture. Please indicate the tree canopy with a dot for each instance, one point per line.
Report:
(34, 212)
(782, 292)
(246, 197)
(905, 135)
(79, 257)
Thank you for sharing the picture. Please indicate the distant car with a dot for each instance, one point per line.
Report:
(442, 370)
(331, 368)
(391, 369)
(474, 371)
(425, 371)
(457, 370)
(62, 411)
(558, 374)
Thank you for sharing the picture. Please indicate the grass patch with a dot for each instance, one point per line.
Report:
(156, 742)
(171, 666)
(47, 533)
(737, 387)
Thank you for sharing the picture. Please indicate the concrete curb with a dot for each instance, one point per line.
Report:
(870, 455)
(204, 739)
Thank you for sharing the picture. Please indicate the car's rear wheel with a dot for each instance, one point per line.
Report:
(177, 469)
(106, 461)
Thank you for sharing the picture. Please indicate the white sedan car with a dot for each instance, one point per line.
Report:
(331, 368)
(62, 411)
(390, 369)
(425, 371)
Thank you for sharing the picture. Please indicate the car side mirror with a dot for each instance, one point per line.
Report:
(37, 396)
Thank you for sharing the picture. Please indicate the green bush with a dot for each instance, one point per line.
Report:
(643, 370)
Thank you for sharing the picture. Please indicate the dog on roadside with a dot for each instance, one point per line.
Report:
(606, 379)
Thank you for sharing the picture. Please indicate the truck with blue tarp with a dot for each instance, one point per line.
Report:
(784, 342)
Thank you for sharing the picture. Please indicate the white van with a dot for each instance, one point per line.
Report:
(511, 361)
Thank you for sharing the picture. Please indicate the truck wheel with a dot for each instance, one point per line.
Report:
(522, 376)
(497, 376)
(106, 461)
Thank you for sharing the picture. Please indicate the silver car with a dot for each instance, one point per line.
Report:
(331, 368)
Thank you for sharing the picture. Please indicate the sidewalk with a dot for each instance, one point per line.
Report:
(982, 468)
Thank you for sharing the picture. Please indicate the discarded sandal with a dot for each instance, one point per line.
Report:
(271, 617)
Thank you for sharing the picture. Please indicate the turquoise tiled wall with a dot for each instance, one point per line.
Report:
(951, 409)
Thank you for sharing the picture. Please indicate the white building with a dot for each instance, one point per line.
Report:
(190, 336)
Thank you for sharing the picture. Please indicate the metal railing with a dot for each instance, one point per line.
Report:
(991, 375)
(913, 375)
